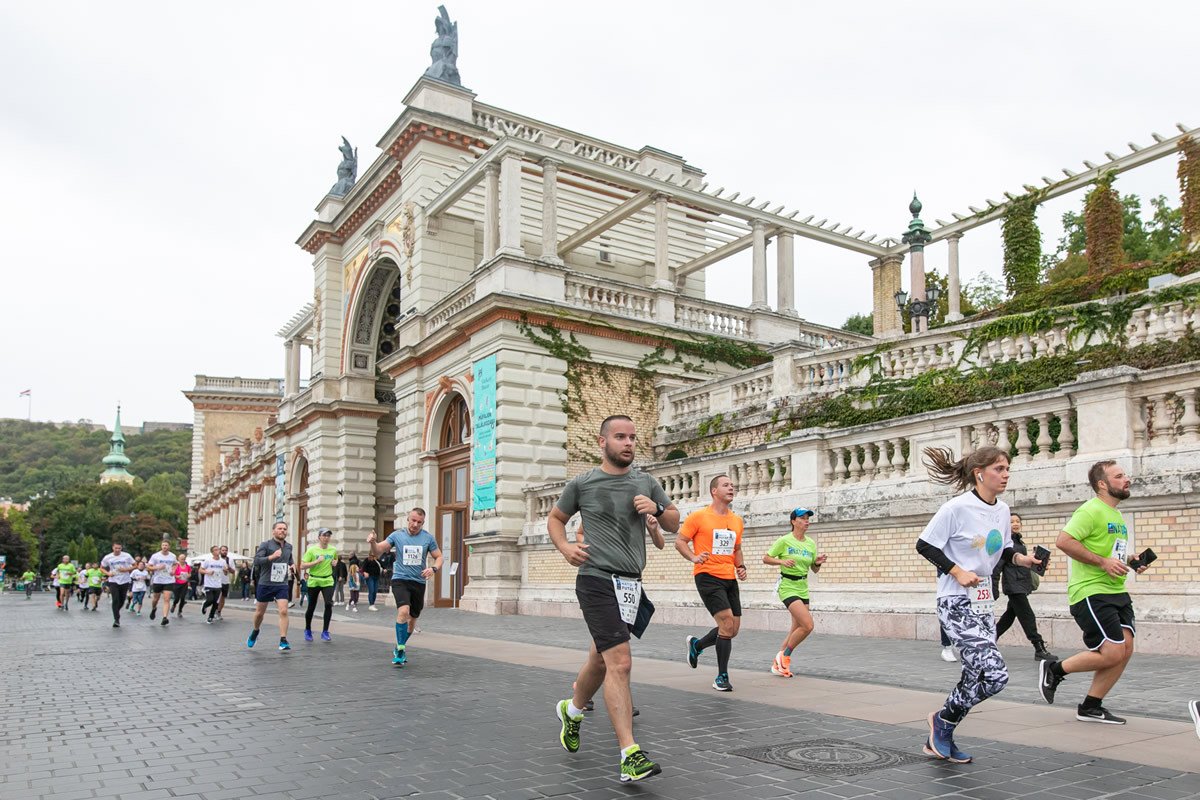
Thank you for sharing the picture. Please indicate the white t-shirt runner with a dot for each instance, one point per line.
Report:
(212, 580)
(972, 534)
(225, 576)
(139, 577)
(168, 562)
(113, 562)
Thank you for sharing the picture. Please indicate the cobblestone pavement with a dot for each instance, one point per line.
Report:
(145, 713)
(1152, 686)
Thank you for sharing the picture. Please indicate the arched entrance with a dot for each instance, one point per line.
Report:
(452, 514)
(300, 530)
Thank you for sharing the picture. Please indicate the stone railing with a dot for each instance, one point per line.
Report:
(832, 370)
(712, 318)
(499, 124)
(1119, 412)
(609, 298)
(271, 386)
(450, 305)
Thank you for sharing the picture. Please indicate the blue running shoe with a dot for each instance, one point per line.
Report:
(941, 741)
(325, 636)
(307, 635)
(693, 656)
(403, 657)
(252, 638)
(283, 645)
(397, 656)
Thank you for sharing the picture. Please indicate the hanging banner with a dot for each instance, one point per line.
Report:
(483, 447)
(280, 489)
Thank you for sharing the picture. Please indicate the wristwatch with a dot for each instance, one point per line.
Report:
(660, 510)
(435, 569)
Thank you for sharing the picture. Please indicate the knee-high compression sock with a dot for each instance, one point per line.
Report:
(401, 634)
(724, 648)
(707, 640)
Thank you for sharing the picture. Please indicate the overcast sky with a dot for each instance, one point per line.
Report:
(160, 159)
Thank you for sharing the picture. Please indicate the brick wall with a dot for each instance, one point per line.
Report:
(607, 390)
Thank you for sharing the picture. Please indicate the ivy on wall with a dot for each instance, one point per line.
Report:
(1022, 245)
(1189, 187)
(1104, 224)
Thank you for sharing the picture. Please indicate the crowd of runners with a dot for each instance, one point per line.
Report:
(973, 542)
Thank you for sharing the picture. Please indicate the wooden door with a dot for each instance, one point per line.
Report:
(452, 520)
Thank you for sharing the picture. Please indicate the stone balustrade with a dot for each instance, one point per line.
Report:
(454, 303)
(712, 319)
(1164, 413)
(609, 298)
(270, 386)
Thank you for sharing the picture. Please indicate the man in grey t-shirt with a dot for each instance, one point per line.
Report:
(272, 560)
(618, 505)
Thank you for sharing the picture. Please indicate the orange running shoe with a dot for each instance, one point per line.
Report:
(782, 665)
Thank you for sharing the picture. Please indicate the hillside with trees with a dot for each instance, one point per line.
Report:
(58, 470)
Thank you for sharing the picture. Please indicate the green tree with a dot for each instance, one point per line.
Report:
(141, 534)
(984, 292)
(860, 323)
(19, 521)
(84, 550)
(1022, 245)
(1142, 240)
(14, 547)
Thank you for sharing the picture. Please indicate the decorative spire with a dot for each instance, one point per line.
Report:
(918, 235)
(116, 461)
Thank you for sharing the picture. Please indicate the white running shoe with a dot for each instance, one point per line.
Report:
(948, 654)
(372, 608)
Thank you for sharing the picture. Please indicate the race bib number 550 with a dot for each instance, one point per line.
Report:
(629, 597)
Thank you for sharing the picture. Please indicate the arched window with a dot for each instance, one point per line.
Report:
(456, 427)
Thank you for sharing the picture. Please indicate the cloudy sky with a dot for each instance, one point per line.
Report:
(160, 159)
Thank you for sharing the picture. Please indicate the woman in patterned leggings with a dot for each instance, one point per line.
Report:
(965, 540)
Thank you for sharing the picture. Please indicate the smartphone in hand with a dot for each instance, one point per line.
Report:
(1144, 559)
(1042, 555)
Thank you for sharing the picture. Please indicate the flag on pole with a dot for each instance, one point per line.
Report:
(26, 393)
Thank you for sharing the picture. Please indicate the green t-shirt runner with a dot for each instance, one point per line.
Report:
(94, 578)
(804, 553)
(1101, 529)
(26, 577)
(322, 574)
(66, 574)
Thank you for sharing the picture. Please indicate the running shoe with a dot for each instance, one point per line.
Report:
(307, 635)
(219, 618)
(116, 624)
(252, 638)
(1194, 710)
(165, 622)
(284, 646)
(1047, 681)
(693, 655)
(398, 656)
(634, 714)
(208, 621)
(722, 684)
(372, 608)
(568, 737)
(1098, 714)
(325, 637)
(153, 611)
(940, 743)
(58, 604)
(637, 766)
(782, 665)
(948, 654)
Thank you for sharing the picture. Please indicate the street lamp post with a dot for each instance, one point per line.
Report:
(919, 308)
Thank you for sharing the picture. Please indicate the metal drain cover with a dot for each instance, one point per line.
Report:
(835, 757)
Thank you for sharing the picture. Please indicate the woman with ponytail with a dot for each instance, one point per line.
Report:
(965, 540)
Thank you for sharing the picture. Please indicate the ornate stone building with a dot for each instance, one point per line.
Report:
(493, 286)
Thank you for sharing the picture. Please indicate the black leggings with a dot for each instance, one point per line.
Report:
(118, 592)
(1019, 609)
(212, 598)
(180, 597)
(326, 593)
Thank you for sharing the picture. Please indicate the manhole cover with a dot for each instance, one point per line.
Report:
(830, 756)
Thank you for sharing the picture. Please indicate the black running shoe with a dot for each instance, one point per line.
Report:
(1047, 681)
(693, 655)
(1098, 714)
(722, 684)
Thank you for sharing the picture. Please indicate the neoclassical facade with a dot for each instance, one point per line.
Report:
(493, 286)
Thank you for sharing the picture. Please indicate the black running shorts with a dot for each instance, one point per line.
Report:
(598, 602)
(1104, 617)
(787, 601)
(409, 593)
(159, 588)
(719, 594)
(224, 590)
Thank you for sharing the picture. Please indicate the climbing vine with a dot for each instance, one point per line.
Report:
(1022, 245)
(1104, 226)
(1189, 188)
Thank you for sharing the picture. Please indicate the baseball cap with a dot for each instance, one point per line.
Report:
(801, 512)
(324, 532)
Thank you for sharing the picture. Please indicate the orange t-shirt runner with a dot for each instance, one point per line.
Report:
(717, 534)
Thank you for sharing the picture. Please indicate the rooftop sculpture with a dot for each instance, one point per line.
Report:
(444, 50)
(347, 171)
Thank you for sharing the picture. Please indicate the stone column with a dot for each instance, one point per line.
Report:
(291, 368)
(491, 210)
(885, 280)
(785, 277)
(916, 279)
(510, 205)
(954, 312)
(662, 230)
(550, 211)
(758, 276)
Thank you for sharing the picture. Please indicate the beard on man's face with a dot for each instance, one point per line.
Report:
(618, 458)
(1120, 494)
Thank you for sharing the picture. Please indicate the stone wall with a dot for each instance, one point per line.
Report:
(606, 390)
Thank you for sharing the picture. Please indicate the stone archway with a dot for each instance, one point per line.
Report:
(375, 310)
